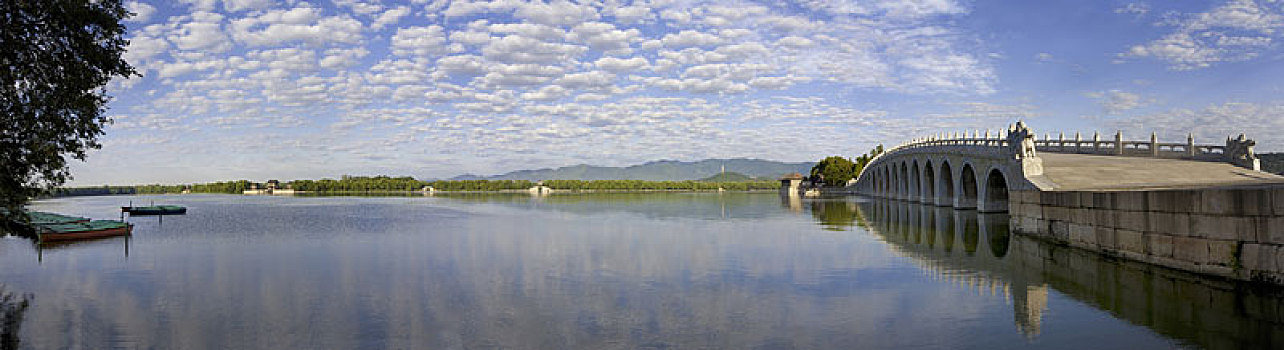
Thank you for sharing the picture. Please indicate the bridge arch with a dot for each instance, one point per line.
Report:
(916, 186)
(886, 180)
(946, 195)
(996, 192)
(902, 179)
(967, 188)
(929, 183)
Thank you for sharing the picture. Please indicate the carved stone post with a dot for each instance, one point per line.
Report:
(1190, 144)
(1119, 142)
(1077, 140)
(1096, 142)
(1239, 151)
(1154, 144)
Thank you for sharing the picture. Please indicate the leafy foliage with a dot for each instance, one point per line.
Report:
(834, 170)
(1272, 162)
(55, 59)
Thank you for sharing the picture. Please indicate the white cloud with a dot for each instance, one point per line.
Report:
(391, 16)
(299, 24)
(1212, 124)
(604, 36)
(775, 82)
(142, 11)
(142, 48)
(203, 32)
(240, 5)
(525, 74)
(520, 49)
(559, 12)
(174, 69)
(547, 93)
(287, 59)
(1134, 8)
(690, 38)
(1236, 31)
(586, 80)
(419, 41)
(795, 42)
(630, 14)
(201, 5)
(343, 58)
(462, 64)
(613, 64)
(481, 80)
(470, 37)
(360, 7)
(918, 9)
(1116, 101)
(530, 30)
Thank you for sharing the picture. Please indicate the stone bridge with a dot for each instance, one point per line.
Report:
(1201, 208)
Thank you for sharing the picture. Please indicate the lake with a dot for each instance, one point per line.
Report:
(601, 271)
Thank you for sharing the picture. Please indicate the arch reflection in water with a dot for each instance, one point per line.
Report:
(1208, 313)
(914, 230)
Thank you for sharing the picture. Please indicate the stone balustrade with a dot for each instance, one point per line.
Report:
(1120, 147)
(1235, 151)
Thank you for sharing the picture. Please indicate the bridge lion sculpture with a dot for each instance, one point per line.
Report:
(1240, 149)
(1021, 141)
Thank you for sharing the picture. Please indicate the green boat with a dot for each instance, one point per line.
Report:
(42, 218)
(155, 210)
(83, 230)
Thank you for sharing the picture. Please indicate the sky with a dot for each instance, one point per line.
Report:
(258, 89)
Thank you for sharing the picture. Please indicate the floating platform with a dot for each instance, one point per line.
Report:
(155, 210)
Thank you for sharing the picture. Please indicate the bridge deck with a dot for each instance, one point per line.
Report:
(1078, 172)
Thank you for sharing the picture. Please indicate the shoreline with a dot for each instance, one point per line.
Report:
(426, 193)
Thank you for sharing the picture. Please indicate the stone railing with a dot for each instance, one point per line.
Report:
(1237, 151)
(1120, 147)
(955, 139)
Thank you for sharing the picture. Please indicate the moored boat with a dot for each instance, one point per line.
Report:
(83, 230)
(43, 218)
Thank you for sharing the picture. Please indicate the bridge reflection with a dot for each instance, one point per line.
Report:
(977, 251)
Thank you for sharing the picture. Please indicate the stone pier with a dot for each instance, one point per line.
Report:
(1235, 233)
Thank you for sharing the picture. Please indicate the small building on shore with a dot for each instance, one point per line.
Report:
(271, 187)
(791, 183)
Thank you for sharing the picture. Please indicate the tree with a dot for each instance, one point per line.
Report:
(835, 170)
(56, 56)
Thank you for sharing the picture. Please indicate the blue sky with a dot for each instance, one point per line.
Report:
(257, 89)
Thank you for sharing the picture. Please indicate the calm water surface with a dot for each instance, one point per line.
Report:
(603, 271)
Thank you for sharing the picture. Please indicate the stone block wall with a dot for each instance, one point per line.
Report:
(1236, 233)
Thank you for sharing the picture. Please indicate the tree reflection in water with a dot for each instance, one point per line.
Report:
(12, 309)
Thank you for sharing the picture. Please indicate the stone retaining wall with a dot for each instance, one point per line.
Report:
(1233, 233)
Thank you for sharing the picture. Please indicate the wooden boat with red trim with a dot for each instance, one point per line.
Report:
(83, 230)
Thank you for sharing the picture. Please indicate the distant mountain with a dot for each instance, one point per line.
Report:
(729, 176)
(1272, 162)
(664, 170)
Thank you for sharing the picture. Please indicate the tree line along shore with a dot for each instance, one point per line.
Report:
(409, 184)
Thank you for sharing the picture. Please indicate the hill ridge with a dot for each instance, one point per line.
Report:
(656, 170)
